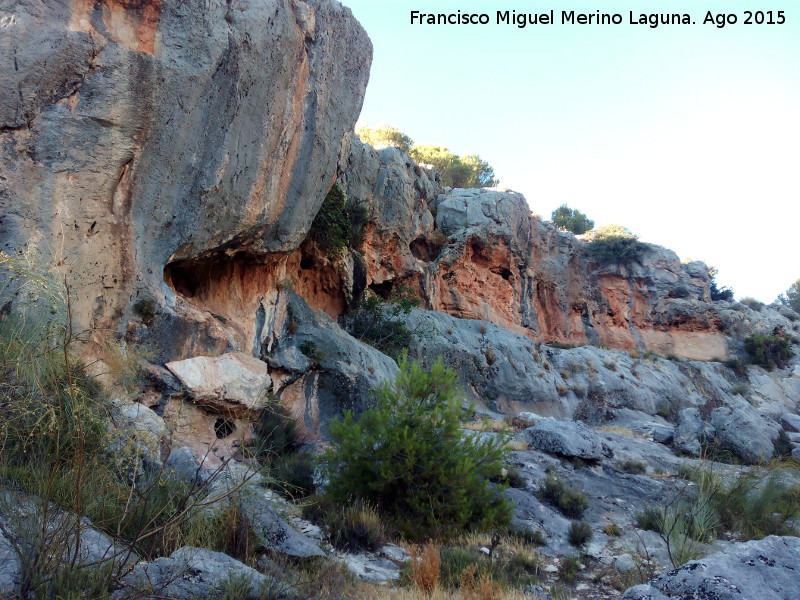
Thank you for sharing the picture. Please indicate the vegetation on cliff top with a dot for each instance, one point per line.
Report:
(614, 243)
(571, 219)
(468, 171)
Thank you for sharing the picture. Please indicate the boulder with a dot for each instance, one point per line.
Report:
(190, 573)
(10, 566)
(791, 421)
(233, 383)
(571, 439)
(754, 570)
(744, 431)
(320, 370)
(139, 438)
(272, 533)
(690, 432)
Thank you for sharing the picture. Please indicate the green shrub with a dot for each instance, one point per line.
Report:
(408, 457)
(355, 527)
(569, 568)
(571, 502)
(385, 135)
(636, 467)
(650, 519)
(293, 475)
(276, 432)
(718, 293)
(612, 529)
(454, 560)
(380, 323)
(339, 224)
(768, 351)
(571, 219)
(614, 243)
(580, 532)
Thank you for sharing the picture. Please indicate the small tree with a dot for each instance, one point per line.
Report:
(408, 457)
(792, 297)
(471, 171)
(718, 293)
(614, 243)
(385, 135)
(571, 219)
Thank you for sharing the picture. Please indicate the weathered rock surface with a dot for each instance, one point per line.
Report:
(228, 384)
(139, 439)
(743, 430)
(137, 134)
(190, 573)
(747, 571)
(318, 369)
(10, 566)
(28, 525)
(570, 439)
(271, 532)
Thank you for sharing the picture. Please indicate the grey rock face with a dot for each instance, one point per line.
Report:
(190, 573)
(644, 591)
(10, 566)
(271, 531)
(754, 570)
(139, 438)
(166, 130)
(567, 438)
(30, 526)
(337, 372)
(791, 422)
(744, 431)
(690, 431)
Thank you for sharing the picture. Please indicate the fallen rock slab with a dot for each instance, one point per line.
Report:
(571, 439)
(230, 383)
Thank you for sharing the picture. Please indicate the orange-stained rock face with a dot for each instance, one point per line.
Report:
(233, 290)
(131, 23)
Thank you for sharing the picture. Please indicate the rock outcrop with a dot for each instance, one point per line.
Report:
(138, 135)
(748, 571)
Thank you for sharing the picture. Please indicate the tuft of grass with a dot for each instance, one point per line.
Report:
(580, 533)
(571, 502)
(636, 467)
(612, 530)
(353, 527)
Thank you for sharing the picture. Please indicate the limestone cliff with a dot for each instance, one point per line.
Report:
(485, 256)
(141, 134)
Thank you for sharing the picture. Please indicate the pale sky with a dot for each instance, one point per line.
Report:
(686, 134)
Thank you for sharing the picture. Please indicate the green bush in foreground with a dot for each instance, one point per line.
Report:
(409, 459)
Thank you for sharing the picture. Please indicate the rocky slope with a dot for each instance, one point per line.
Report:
(170, 158)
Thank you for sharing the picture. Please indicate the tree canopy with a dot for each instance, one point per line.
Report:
(385, 135)
(468, 171)
(791, 297)
(571, 219)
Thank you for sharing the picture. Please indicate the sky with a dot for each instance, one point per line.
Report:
(688, 135)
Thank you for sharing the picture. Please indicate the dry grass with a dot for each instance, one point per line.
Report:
(425, 567)
(384, 593)
(490, 425)
(620, 431)
(517, 445)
